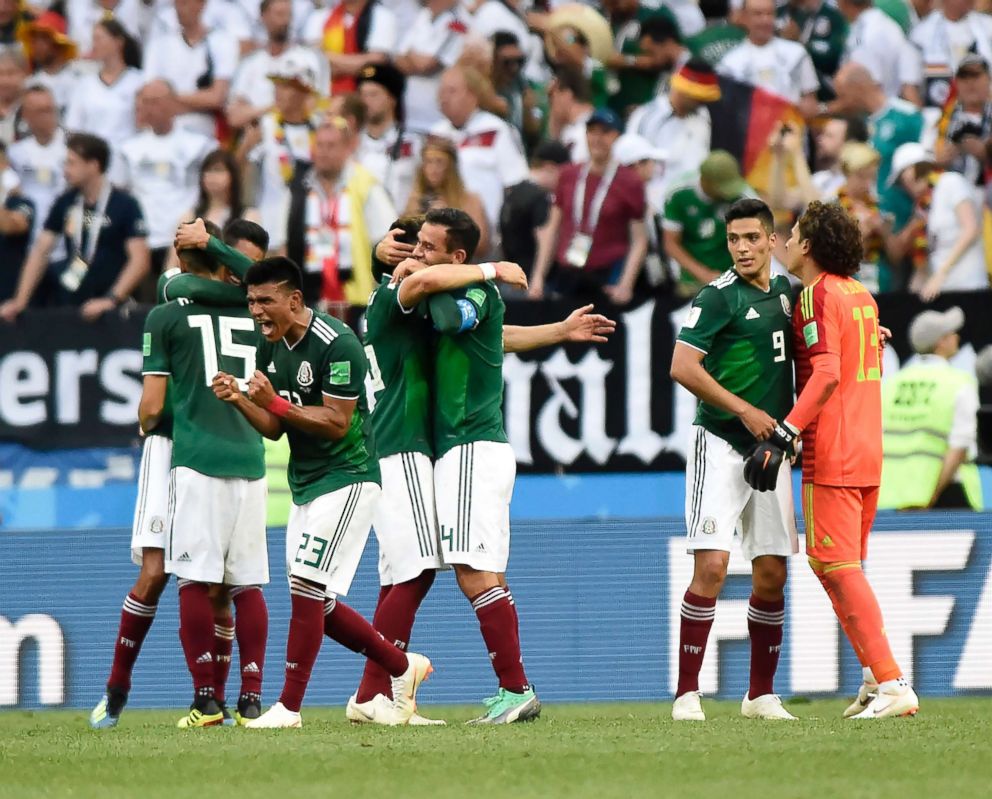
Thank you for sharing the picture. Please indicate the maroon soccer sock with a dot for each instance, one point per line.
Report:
(765, 622)
(697, 618)
(136, 620)
(196, 622)
(251, 628)
(223, 646)
(353, 632)
(394, 618)
(498, 623)
(305, 628)
(516, 617)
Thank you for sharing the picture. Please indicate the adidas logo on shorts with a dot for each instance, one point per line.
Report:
(481, 548)
(184, 558)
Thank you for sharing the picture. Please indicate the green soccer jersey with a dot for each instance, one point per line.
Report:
(398, 347)
(468, 367)
(745, 334)
(190, 343)
(713, 43)
(699, 219)
(823, 33)
(330, 360)
(636, 86)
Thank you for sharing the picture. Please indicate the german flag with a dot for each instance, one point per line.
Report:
(744, 119)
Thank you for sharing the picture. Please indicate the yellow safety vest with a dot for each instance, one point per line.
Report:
(917, 416)
(277, 479)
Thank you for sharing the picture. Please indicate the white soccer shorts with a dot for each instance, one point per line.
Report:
(326, 537)
(719, 504)
(218, 529)
(153, 507)
(404, 520)
(473, 486)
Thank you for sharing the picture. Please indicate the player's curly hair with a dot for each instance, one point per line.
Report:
(834, 238)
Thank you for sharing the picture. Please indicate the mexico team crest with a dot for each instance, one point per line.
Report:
(304, 376)
(786, 304)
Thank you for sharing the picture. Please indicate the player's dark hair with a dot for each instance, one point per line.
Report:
(244, 230)
(200, 261)
(660, 30)
(131, 50)
(750, 208)
(90, 148)
(461, 231)
(277, 269)
(834, 238)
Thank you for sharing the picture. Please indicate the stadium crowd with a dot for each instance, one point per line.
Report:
(577, 136)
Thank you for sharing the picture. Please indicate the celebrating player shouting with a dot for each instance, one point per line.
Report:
(839, 412)
(733, 353)
(312, 388)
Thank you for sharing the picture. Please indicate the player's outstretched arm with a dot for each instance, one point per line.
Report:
(226, 388)
(581, 325)
(193, 236)
(152, 401)
(332, 420)
(208, 292)
(687, 370)
(419, 282)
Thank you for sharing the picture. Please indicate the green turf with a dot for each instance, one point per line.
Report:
(624, 750)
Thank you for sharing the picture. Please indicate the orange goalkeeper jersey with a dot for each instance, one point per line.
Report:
(837, 320)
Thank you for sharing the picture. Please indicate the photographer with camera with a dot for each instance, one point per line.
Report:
(968, 125)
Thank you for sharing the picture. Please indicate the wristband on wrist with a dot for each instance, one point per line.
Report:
(488, 271)
(279, 406)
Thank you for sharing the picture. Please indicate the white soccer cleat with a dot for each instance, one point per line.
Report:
(766, 706)
(378, 710)
(867, 692)
(890, 703)
(688, 707)
(405, 686)
(275, 718)
(416, 720)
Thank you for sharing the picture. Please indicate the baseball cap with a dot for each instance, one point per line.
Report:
(929, 327)
(723, 175)
(632, 148)
(907, 155)
(971, 65)
(606, 117)
(296, 68)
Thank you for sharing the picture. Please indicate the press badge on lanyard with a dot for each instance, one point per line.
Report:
(578, 248)
(79, 264)
(328, 234)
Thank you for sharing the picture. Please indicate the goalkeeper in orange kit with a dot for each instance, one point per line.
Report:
(839, 415)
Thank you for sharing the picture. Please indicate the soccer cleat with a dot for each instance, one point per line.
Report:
(108, 710)
(405, 686)
(378, 710)
(687, 707)
(416, 720)
(901, 701)
(510, 707)
(866, 692)
(228, 718)
(209, 715)
(276, 717)
(248, 710)
(766, 706)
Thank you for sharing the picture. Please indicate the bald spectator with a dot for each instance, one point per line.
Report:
(877, 42)
(434, 43)
(944, 38)
(490, 156)
(198, 62)
(162, 164)
(772, 63)
(352, 34)
(678, 124)
(13, 72)
(569, 106)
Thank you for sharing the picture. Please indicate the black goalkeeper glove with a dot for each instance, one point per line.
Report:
(764, 461)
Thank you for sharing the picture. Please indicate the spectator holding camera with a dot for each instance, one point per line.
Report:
(968, 126)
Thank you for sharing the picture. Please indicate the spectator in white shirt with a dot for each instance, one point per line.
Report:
(252, 93)
(13, 74)
(51, 53)
(39, 159)
(199, 64)
(945, 37)
(772, 63)
(352, 34)
(103, 101)
(385, 148)
(490, 155)
(433, 43)
(163, 166)
(83, 16)
(569, 107)
(876, 41)
(679, 125)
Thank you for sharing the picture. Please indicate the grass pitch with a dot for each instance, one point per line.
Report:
(596, 750)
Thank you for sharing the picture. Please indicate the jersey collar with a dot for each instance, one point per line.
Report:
(289, 347)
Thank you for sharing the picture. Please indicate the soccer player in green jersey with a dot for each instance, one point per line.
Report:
(311, 385)
(216, 535)
(734, 354)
